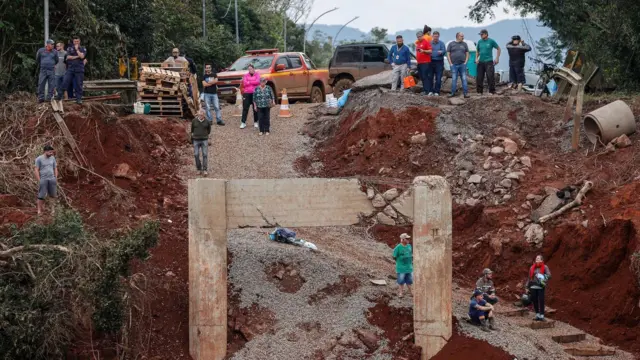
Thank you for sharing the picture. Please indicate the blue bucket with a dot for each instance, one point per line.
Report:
(272, 236)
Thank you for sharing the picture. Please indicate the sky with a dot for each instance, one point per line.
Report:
(399, 15)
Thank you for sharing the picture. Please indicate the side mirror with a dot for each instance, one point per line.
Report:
(281, 67)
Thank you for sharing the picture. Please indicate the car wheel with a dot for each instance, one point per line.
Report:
(341, 86)
(316, 95)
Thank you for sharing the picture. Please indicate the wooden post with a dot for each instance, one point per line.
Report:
(577, 119)
(432, 264)
(207, 269)
(568, 110)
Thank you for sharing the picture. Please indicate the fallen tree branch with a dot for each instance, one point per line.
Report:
(407, 337)
(577, 202)
(19, 249)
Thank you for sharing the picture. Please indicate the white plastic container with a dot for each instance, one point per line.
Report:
(138, 108)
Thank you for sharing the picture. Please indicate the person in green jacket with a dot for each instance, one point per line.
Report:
(200, 130)
(403, 254)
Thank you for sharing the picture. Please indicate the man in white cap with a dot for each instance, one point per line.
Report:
(403, 255)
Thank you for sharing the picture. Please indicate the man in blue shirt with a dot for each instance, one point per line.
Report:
(400, 59)
(75, 69)
(481, 312)
(439, 50)
(47, 59)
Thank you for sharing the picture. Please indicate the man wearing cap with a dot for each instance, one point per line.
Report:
(486, 63)
(481, 312)
(400, 60)
(517, 50)
(458, 56)
(485, 284)
(200, 130)
(46, 174)
(423, 55)
(75, 69)
(403, 254)
(46, 58)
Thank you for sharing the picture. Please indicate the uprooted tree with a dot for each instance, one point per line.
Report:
(608, 32)
(59, 279)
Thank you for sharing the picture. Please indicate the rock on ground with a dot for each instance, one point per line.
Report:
(550, 204)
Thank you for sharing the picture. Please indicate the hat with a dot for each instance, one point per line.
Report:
(48, 148)
(483, 31)
(515, 37)
(49, 42)
(477, 292)
(405, 236)
(487, 271)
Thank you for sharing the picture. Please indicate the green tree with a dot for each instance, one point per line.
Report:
(550, 49)
(379, 35)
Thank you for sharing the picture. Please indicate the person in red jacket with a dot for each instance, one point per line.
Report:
(423, 55)
(250, 81)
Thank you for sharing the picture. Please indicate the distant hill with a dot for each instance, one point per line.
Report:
(500, 31)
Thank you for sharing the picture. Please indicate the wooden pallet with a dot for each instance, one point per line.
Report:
(151, 90)
(159, 73)
(159, 83)
(165, 106)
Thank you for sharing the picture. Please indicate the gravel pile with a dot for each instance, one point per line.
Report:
(241, 154)
(337, 314)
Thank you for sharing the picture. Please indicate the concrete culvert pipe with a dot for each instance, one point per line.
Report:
(609, 122)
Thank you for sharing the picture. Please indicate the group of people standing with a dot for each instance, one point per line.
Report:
(61, 69)
(484, 298)
(431, 53)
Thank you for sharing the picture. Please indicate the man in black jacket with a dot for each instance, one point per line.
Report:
(200, 130)
(517, 50)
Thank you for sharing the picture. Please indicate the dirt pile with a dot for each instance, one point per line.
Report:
(478, 146)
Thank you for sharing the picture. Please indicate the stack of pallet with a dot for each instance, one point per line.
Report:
(162, 89)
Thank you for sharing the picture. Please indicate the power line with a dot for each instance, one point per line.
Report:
(228, 8)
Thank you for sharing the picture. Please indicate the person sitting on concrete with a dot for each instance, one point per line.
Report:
(481, 312)
(539, 275)
(485, 284)
(403, 254)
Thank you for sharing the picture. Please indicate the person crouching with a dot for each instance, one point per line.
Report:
(481, 312)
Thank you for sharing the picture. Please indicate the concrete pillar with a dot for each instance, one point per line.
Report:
(432, 260)
(207, 269)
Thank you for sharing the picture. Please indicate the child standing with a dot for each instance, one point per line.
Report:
(403, 254)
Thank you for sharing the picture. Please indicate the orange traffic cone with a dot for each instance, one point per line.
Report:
(284, 106)
(237, 111)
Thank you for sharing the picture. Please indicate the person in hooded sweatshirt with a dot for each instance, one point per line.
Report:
(517, 50)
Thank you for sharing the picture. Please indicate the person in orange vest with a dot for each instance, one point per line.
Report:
(423, 55)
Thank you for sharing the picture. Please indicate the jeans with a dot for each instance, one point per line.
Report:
(487, 68)
(537, 297)
(209, 101)
(46, 77)
(197, 146)
(75, 78)
(424, 72)
(59, 82)
(264, 117)
(397, 74)
(516, 75)
(247, 103)
(405, 279)
(461, 71)
(437, 69)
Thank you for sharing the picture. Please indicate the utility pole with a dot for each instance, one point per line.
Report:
(237, 31)
(204, 20)
(304, 43)
(335, 39)
(46, 20)
(285, 31)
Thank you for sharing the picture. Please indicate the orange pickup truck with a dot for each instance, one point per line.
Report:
(291, 70)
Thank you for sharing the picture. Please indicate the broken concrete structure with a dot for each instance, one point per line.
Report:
(217, 205)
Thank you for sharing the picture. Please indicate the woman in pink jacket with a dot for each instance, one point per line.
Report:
(250, 81)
